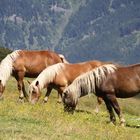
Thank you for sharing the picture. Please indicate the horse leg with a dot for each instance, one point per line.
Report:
(59, 98)
(49, 89)
(21, 96)
(116, 107)
(21, 86)
(110, 110)
(24, 91)
(99, 102)
(60, 91)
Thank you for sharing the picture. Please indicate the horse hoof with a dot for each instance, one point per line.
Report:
(44, 101)
(114, 123)
(96, 111)
(111, 122)
(122, 124)
(21, 100)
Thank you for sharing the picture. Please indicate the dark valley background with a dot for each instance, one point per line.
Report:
(107, 30)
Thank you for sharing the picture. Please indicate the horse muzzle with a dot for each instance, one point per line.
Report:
(69, 109)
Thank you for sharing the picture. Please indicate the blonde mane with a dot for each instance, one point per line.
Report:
(47, 75)
(6, 66)
(85, 83)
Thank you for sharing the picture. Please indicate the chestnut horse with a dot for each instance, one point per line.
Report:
(108, 82)
(58, 76)
(23, 63)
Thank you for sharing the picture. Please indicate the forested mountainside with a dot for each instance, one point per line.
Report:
(4, 52)
(107, 30)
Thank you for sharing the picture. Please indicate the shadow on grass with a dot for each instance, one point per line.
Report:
(132, 126)
(83, 111)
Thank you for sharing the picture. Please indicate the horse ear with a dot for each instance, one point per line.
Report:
(37, 83)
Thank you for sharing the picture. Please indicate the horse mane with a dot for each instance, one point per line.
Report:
(87, 82)
(48, 75)
(6, 66)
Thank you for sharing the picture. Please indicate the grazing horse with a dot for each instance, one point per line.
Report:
(58, 76)
(108, 82)
(23, 63)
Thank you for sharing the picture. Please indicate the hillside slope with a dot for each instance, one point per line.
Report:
(81, 29)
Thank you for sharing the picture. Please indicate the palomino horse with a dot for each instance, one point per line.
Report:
(58, 76)
(107, 82)
(23, 63)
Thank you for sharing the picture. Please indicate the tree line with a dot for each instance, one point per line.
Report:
(3, 52)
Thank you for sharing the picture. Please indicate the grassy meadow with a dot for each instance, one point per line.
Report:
(23, 121)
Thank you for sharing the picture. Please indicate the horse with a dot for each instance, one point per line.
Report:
(108, 82)
(58, 77)
(24, 63)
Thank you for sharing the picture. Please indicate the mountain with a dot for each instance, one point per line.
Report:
(4, 52)
(82, 30)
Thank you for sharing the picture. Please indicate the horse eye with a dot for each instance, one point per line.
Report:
(65, 94)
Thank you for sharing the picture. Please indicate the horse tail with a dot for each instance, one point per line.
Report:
(63, 59)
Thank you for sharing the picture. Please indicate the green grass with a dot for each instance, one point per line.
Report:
(23, 121)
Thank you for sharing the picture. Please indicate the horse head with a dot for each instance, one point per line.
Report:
(69, 100)
(2, 87)
(34, 92)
